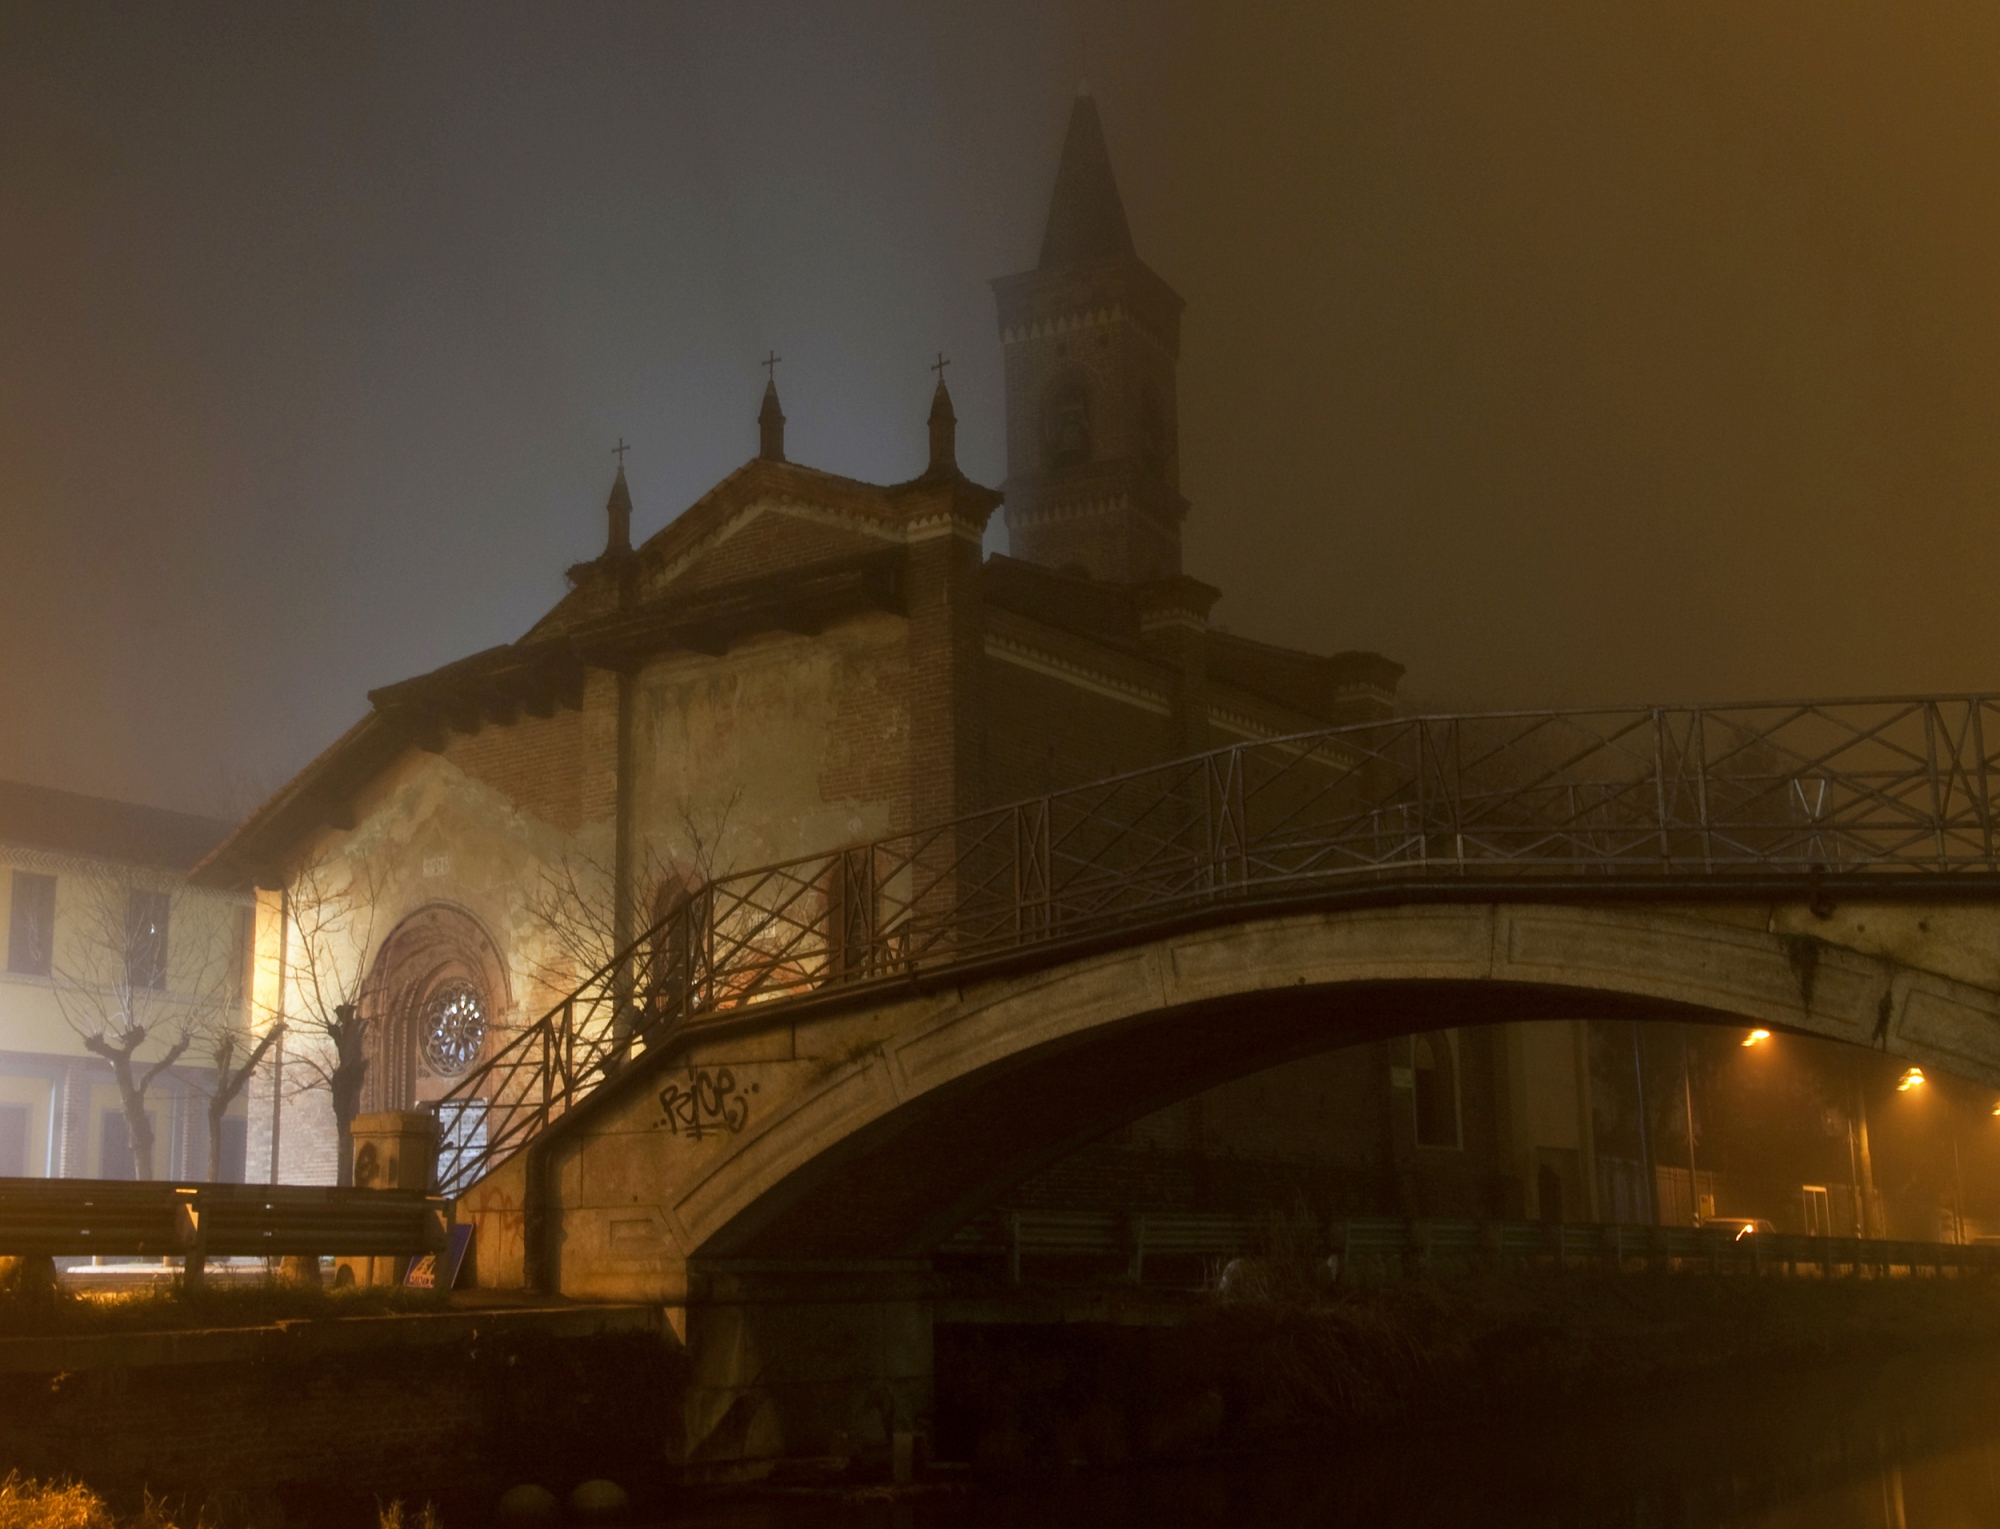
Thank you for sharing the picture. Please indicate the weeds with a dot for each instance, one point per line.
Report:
(30, 1504)
(173, 1307)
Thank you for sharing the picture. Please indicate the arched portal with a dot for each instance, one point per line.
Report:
(434, 998)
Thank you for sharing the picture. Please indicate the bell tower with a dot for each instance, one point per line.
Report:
(1092, 340)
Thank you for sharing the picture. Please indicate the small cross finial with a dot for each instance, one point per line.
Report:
(939, 365)
(770, 365)
(619, 451)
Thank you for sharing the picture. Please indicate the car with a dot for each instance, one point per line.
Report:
(1739, 1227)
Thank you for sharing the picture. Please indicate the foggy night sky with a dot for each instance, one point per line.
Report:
(1564, 353)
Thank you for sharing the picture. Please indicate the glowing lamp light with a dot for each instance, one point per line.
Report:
(1758, 1037)
(1914, 1078)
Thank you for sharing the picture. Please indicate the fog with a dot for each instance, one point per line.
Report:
(1563, 353)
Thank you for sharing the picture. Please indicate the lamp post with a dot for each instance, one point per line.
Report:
(1687, 1100)
(1913, 1078)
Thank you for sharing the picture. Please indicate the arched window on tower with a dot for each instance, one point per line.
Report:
(1434, 1061)
(1153, 436)
(1066, 423)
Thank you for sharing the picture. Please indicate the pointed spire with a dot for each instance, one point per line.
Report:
(1086, 216)
(771, 426)
(771, 418)
(943, 423)
(618, 510)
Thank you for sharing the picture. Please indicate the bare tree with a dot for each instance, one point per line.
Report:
(575, 900)
(576, 905)
(332, 904)
(222, 1043)
(702, 833)
(123, 996)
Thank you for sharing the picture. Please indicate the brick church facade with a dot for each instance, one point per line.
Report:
(801, 660)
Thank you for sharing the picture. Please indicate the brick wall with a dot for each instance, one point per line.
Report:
(773, 540)
(1044, 734)
(535, 762)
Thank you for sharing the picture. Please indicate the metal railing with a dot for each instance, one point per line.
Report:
(1801, 790)
(1369, 1249)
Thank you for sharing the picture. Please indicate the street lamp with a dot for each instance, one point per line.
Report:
(1913, 1077)
(1758, 1037)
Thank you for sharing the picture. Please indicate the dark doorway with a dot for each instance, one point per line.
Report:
(1549, 1195)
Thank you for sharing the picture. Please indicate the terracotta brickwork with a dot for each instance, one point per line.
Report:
(772, 540)
(535, 762)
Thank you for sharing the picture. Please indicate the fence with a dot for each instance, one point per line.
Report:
(1588, 799)
(1366, 1250)
(201, 1221)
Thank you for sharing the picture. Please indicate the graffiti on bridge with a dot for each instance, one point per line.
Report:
(709, 1103)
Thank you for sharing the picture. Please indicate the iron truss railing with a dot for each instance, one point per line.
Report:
(1806, 790)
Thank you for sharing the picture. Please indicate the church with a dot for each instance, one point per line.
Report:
(800, 661)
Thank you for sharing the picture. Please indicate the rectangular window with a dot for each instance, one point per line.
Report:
(1819, 1210)
(32, 925)
(146, 938)
(114, 1145)
(13, 1141)
(235, 1149)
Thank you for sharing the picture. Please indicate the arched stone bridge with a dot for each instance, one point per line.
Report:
(869, 1125)
(766, 1112)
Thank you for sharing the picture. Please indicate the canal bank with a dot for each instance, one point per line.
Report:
(322, 1418)
(316, 1420)
(1141, 1382)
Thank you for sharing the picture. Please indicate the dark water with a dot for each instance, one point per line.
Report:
(1897, 1445)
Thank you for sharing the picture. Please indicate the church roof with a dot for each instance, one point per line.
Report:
(1086, 217)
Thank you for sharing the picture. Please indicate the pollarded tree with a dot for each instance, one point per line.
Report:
(331, 905)
(234, 1058)
(144, 964)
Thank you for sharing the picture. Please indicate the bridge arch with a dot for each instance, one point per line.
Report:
(903, 1115)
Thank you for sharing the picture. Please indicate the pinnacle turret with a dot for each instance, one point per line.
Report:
(771, 426)
(618, 511)
(944, 427)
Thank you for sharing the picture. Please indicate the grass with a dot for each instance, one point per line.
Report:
(29, 1504)
(170, 1308)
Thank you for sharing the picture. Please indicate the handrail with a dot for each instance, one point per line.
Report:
(1385, 1246)
(1797, 790)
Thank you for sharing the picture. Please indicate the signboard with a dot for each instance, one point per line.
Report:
(424, 1273)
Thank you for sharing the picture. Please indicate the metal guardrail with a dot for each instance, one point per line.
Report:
(1605, 798)
(202, 1221)
(1389, 1247)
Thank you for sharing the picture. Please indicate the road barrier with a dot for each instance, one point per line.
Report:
(202, 1221)
(1383, 1248)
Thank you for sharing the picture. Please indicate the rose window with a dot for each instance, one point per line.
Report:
(454, 1027)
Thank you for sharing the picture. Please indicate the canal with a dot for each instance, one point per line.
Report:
(1885, 1445)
